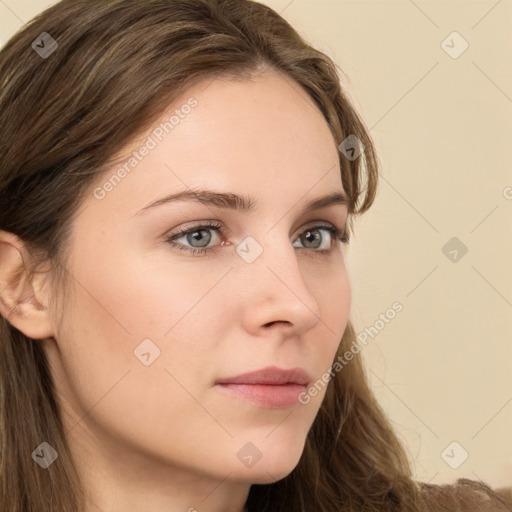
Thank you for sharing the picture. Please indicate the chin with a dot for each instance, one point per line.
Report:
(273, 466)
(262, 475)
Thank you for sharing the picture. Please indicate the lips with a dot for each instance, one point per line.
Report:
(269, 387)
(271, 376)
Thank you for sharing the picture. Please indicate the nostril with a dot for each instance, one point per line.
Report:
(269, 324)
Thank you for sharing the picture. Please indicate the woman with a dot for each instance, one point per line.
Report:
(164, 346)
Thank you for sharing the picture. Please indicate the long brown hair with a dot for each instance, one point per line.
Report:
(63, 115)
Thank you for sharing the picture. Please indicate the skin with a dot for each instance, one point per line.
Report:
(163, 436)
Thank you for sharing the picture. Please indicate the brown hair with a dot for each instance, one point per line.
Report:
(117, 66)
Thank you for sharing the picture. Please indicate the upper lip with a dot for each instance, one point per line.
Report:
(270, 376)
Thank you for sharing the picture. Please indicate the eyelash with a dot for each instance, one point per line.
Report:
(336, 234)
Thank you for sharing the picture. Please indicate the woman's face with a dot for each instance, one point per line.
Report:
(152, 328)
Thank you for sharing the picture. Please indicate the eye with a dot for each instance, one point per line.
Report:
(312, 238)
(199, 237)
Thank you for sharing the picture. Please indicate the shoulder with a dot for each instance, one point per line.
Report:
(466, 495)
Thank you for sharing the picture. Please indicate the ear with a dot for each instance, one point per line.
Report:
(23, 301)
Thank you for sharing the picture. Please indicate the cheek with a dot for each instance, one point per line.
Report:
(110, 386)
(127, 309)
(334, 296)
(136, 297)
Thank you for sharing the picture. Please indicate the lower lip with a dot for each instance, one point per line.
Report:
(266, 395)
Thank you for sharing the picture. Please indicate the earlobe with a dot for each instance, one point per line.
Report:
(20, 300)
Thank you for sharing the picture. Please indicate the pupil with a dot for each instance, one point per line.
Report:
(198, 237)
(315, 235)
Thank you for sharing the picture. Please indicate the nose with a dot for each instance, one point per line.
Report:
(276, 295)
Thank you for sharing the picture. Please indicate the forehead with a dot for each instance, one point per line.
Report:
(259, 136)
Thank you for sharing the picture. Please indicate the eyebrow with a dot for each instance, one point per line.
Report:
(241, 203)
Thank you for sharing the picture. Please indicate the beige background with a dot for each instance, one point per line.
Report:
(443, 127)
